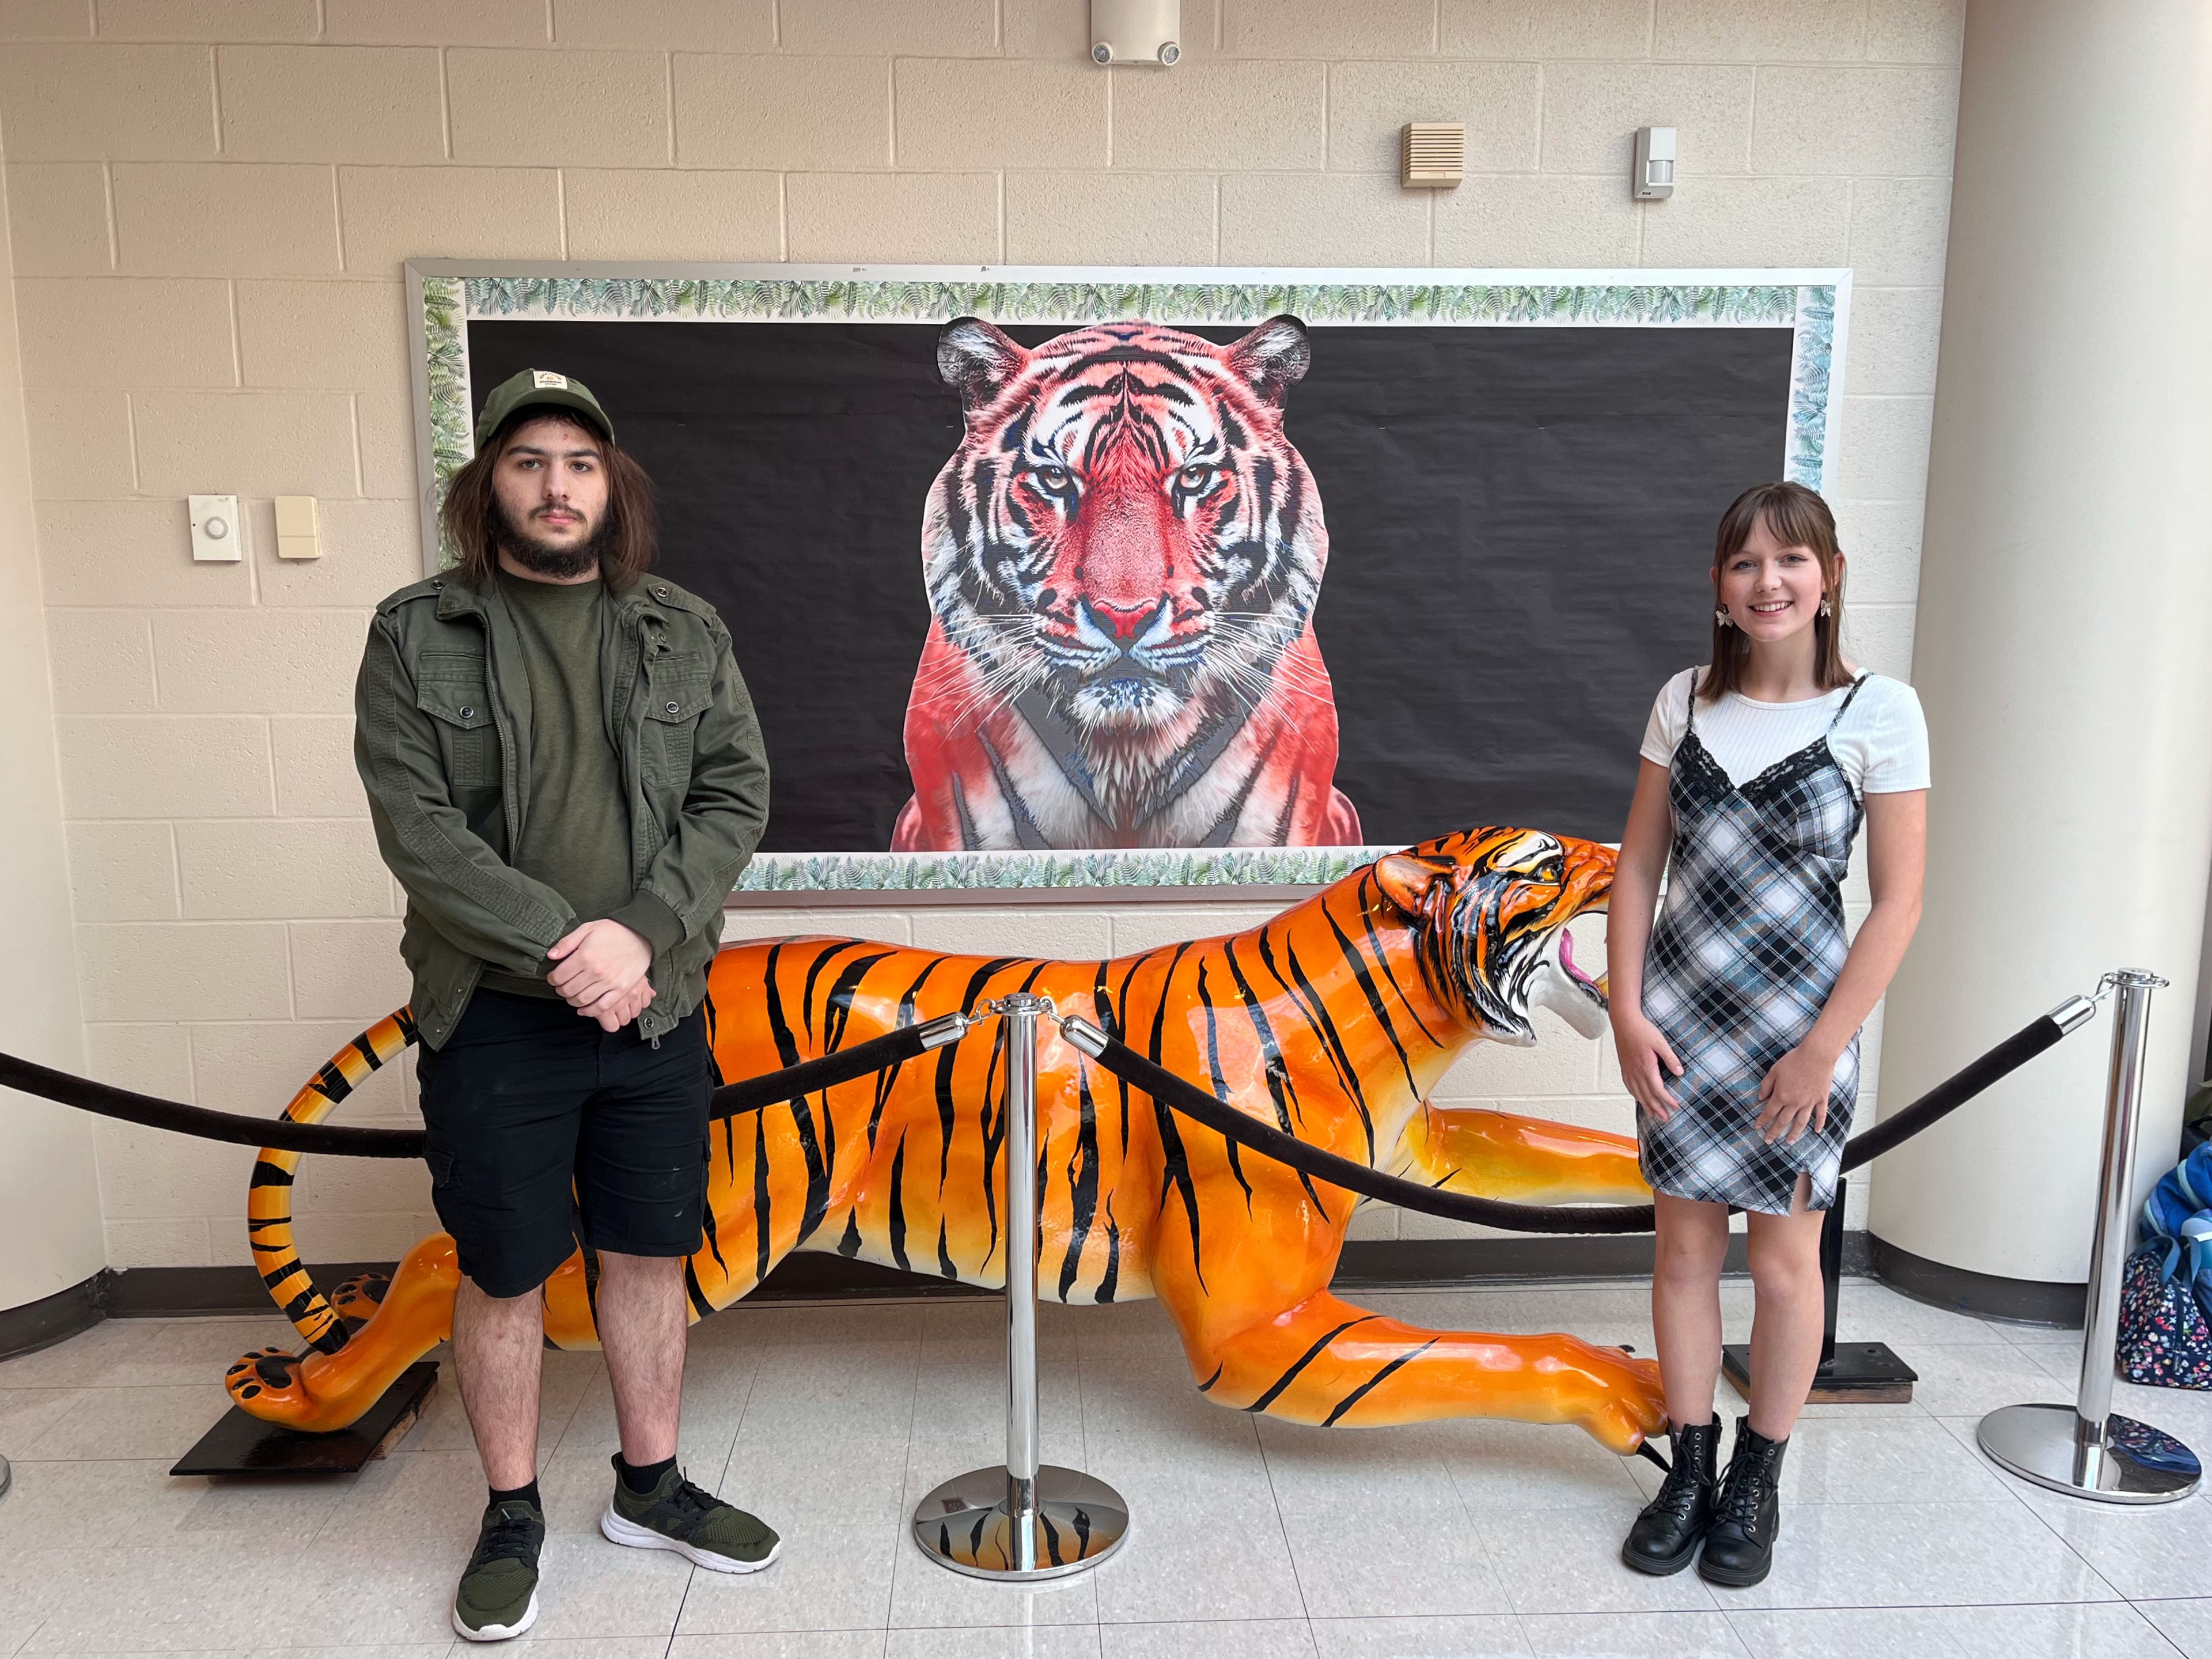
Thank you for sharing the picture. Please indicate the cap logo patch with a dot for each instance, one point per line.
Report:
(543, 379)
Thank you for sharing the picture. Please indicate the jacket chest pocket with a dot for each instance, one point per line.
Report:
(677, 693)
(453, 690)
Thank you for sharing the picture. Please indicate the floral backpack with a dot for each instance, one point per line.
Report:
(2166, 1340)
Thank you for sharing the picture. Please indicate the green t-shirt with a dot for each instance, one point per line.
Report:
(576, 836)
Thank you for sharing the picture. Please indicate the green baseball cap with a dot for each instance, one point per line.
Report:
(536, 387)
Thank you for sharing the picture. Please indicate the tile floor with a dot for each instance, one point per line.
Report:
(1252, 1539)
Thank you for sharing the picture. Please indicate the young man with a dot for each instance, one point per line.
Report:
(567, 777)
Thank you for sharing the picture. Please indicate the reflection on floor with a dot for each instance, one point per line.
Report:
(1252, 1539)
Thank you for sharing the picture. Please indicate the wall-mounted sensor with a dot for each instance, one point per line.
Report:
(217, 537)
(1136, 32)
(1431, 155)
(1654, 180)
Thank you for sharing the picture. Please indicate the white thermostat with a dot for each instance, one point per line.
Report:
(1136, 32)
(1654, 164)
(216, 536)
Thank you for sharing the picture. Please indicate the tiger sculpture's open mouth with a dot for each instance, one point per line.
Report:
(1499, 942)
(1561, 987)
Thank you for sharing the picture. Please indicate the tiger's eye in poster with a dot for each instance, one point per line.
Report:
(1066, 594)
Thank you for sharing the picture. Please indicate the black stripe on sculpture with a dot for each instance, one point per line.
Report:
(1304, 1360)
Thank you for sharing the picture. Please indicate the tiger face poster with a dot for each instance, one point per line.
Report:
(1149, 579)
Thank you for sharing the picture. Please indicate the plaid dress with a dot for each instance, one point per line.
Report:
(1749, 946)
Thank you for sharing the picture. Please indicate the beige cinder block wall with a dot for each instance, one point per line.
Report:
(212, 202)
(50, 1214)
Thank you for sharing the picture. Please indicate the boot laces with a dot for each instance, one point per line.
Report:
(1678, 1492)
(1742, 1488)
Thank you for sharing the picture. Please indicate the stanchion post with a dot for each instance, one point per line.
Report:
(1020, 1026)
(2100, 1307)
(1028, 1520)
(2085, 1449)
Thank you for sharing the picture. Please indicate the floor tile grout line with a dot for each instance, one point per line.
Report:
(1283, 1525)
(907, 1503)
(2173, 1646)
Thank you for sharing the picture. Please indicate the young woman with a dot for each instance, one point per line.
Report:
(1737, 1016)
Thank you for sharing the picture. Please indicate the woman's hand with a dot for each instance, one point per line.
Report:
(1646, 1063)
(1793, 1098)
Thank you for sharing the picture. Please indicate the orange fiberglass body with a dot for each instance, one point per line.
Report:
(1332, 1021)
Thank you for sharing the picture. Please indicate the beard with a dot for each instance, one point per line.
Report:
(560, 561)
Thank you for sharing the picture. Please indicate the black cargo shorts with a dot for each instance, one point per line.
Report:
(544, 1129)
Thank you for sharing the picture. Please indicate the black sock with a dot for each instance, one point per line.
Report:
(641, 1480)
(527, 1494)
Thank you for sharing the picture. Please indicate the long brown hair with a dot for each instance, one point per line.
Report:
(1795, 517)
(470, 517)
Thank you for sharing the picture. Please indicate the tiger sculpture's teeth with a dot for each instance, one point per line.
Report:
(1332, 1021)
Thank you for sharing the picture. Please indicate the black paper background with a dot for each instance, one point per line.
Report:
(1520, 523)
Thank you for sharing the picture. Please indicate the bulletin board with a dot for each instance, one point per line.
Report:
(1514, 477)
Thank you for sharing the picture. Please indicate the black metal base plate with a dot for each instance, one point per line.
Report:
(1860, 1374)
(240, 1444)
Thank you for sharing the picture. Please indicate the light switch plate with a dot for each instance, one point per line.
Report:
(218, 536)
(297, 536)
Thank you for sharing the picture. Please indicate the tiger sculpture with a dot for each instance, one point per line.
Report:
(1122, 556)
(1332, 1021)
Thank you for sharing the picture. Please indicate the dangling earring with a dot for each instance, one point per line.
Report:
(1722, 617)
(1827, 610)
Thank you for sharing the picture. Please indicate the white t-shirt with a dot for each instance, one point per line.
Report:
(1881, 743)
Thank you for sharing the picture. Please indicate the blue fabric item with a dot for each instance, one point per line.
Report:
(2193, 1247)
(2181, 1192)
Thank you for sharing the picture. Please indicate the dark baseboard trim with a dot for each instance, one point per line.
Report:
(175, 1292)
(1460, 1263)
(50, 1319)
(1365, 1264)
(178, 1292)
(1985, 1296)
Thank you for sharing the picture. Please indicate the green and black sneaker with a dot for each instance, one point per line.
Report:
(498, 1596)
(697, 1525)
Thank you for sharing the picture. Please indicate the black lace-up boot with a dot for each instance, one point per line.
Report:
(1667, 1533)
(1747, 1519)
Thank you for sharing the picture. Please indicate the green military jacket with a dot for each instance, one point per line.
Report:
(441, 730)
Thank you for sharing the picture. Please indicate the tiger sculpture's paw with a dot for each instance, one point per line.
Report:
(269, 1378)
(1627, 1405)
(356, 1300)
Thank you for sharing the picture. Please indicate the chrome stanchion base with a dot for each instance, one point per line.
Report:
(963, 1524)
(2140, 1464)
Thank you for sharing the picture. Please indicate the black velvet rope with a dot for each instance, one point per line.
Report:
(154, 1113)
(1200, 1106)
(281, 1134)
(893, 1047)
(1203, 1108)
(1954, 1092)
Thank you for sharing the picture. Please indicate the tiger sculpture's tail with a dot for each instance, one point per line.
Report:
(1333, 1021)
(269, 1198)
(324, 1323)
